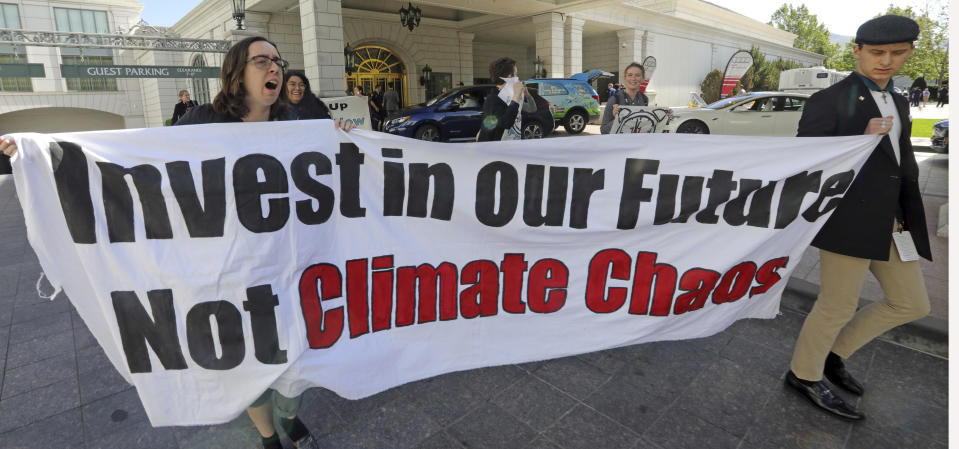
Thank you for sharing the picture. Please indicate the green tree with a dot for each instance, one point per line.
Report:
(711, 86)
(930, 59)
(764, 75)
(810, 34)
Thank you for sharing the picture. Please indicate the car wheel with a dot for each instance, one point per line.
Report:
(575, 122)
(427, 132)
(533, 130)
(693, 127)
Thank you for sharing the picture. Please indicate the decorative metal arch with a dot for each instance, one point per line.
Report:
(376, 59)
(115, 41)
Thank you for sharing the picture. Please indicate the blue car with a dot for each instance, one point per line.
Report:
(456, 116)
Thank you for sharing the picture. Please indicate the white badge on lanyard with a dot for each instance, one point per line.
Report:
(905, 246)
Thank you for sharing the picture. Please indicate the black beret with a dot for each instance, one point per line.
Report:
(889, 29)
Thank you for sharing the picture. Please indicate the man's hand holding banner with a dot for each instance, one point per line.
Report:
(214, 261)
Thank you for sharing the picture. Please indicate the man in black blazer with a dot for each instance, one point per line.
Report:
(879, 226)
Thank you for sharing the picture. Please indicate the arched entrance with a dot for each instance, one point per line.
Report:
(378, 65)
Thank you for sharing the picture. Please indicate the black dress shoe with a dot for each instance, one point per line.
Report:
(836, 372)
(820, 395)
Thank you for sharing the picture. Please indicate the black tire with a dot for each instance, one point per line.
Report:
(533, 130)
(693, 127)
(575, 122)
(429, 133)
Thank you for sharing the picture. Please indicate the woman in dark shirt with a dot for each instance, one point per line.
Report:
(184, 105)
(253, 91)
(500, 116)
(303, 104)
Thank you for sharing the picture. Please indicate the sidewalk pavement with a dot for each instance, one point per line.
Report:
(58, 390)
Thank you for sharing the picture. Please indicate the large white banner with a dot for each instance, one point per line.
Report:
(214, 261)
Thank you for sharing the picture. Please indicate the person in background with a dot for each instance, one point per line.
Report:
(182, 106)
(943, 96)
(391, 100)
(358, 91)
(635, 74)
(925, 96)
(376, 107)
(303, 104)
(460, 84)
(501, 118)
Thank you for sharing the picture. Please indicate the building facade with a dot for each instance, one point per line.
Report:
(456, 39)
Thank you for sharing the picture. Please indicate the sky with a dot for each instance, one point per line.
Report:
(840, 16)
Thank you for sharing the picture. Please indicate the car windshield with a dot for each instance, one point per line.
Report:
(725, 102)
(441, 97)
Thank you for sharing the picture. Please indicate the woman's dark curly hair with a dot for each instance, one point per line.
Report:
(302, 76)
(501, 68)
(232, 96)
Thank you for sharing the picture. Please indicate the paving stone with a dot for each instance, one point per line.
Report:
(633, 405)
(910, 373)
(445, 398)
(491, 381)
(82, 335)
(534, 402)
(19, 411)
(8, 282)
(609, 361)
(573, 375)
(727, 395)
(38, 349)
(51, 324)
(789, 420)
(667, 367)
(113, 414)
(396, 425)
(140, 435)
(586, 428)
(26, 309)
(239, 433)
(887, 409)
(40, 374)
(491, 427)
(98, 384)
(542, 443)
(352, 410)
(866, 438)
(778, 334)
(680, 429)
(757, 357)
(317, 413)
(439, 440)
(58, 431)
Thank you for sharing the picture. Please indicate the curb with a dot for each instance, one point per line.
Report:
(927, 334)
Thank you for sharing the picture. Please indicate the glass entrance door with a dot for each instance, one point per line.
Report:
(379, 66)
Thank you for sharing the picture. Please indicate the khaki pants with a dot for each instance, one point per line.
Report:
(834, 325)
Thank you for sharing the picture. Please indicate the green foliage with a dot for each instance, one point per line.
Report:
(920, 83)
(711, 86)
(810, 34)
(764, 75)
(930, 59)
(168, 122)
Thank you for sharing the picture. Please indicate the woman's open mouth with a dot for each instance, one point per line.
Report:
(272, 85)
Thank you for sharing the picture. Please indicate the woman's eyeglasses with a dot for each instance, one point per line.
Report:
(263, 62)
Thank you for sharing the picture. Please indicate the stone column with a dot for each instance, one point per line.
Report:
(630, 48)
(549, 42)
(573, 48)
(466, 58)
(321, 24)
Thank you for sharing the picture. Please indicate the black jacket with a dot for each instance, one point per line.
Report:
(205, 114)
(180, 109)
(497, 117)
(309, 108)
(862, 225)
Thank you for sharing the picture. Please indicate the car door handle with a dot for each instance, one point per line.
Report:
(766, 116)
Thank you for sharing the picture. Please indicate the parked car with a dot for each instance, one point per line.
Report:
(754, 114)
(456, 116)
(940, 136)
(573, 100)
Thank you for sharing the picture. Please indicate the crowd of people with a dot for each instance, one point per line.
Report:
(863, 234)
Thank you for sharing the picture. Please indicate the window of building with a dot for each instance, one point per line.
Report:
(201, 86)
(10, 18)
(85, 21)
